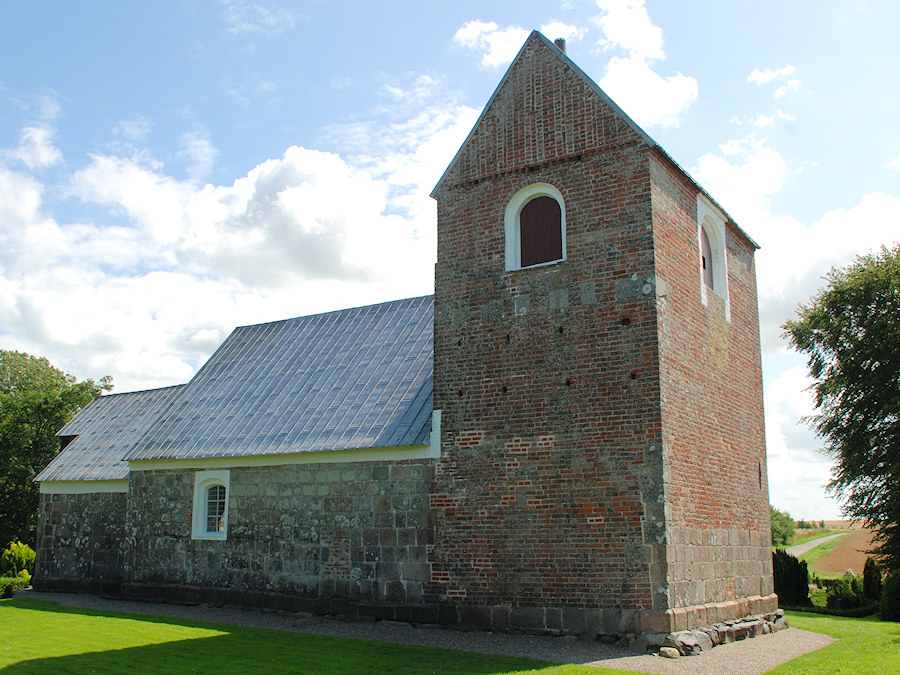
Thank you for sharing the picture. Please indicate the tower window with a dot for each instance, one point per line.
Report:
(706, 259)
(712, 259)
(535, 224)
(540, 231)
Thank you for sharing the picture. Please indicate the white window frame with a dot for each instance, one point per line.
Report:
(203, 481)
(712, 221)
(511, 223)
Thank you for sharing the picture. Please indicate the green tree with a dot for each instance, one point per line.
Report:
(850, 331)
(783, 527)
(36, 400)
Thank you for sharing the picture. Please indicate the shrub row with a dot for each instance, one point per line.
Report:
(10, 584)
(850, 595)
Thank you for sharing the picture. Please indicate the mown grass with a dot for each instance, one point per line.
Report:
(37, 636)
(863, 646)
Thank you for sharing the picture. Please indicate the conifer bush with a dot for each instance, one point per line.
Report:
(791, 579)
(16, 558)
(890, 598)
(872, 580)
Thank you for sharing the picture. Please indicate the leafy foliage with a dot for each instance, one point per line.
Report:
(16, 558)
(10, 584)
(845, 593)
(36, 401)
(791, 579)
(850, 331)
(783, 527)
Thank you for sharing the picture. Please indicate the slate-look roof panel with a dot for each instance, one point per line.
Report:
(105, 432)
(356, 378)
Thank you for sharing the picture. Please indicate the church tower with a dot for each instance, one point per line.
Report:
(597, 368)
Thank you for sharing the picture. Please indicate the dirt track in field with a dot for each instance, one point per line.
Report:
(850, 553)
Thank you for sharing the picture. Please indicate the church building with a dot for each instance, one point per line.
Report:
(567, 437)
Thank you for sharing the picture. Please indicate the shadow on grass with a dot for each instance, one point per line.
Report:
(233, 649)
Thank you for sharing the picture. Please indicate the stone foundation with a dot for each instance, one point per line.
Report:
(685, 618)
(693, 642)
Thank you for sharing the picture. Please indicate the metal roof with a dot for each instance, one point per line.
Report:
(105, 430)
(356, 378)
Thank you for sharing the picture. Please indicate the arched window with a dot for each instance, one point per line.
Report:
(210, 516)
(706, 259)
(713, 264)
(535, 224)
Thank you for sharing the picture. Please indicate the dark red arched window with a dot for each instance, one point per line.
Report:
(706, 259)
(540, 229)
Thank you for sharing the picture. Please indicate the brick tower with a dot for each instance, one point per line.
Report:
(597, 365)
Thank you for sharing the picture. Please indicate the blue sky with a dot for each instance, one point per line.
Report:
(170, 170)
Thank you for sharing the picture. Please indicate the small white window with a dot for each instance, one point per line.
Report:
(210, 517)
(535, 227)
(712, 261)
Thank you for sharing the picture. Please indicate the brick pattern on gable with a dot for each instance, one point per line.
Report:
(544, 113)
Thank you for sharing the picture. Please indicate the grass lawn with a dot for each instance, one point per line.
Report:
(37, 636)
(863, 646)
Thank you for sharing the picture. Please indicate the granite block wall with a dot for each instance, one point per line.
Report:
(81, 543)
(355, 532)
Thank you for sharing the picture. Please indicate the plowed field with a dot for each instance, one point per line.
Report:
(849, 554)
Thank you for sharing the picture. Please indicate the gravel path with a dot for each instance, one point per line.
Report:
(800, 549)
(747, 657)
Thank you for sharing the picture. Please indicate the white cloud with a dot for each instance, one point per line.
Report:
(745, 183)
(787, 88)
(36, 149)
(761, 77)
(763, 121)
(644, 94)
(198, 150)
(500, 45)
(626, 24)
(557, 29)
(765, 76)
(147, 299)
(894, 163)
(248, 17)
(798, 472)
(134, 130)
(795, 256)
(408, 140)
